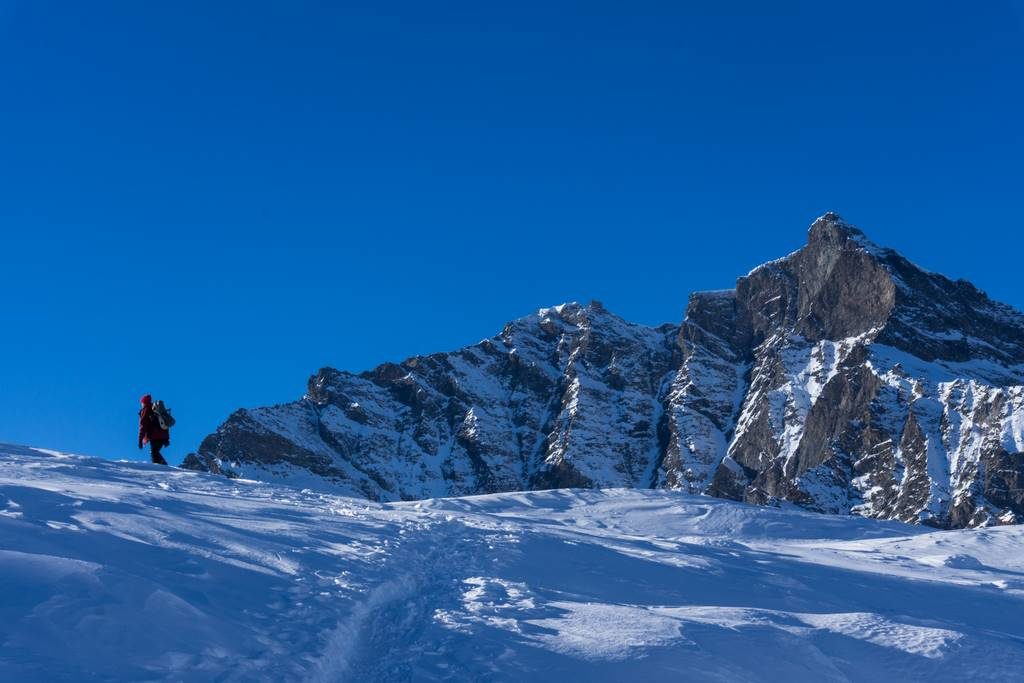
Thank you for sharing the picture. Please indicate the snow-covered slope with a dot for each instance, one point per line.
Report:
(124, 571)
(842, 378)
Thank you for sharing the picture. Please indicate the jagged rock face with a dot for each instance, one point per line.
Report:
(565, 397)
(841, 378)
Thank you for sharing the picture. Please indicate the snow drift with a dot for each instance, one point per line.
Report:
(127, 571)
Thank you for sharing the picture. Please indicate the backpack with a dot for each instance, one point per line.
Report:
(163, 415)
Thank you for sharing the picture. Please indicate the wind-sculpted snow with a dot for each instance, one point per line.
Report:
(124, 571)
(841, 377)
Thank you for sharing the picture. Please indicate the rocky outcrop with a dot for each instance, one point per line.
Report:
(841, 378)
(568, 396)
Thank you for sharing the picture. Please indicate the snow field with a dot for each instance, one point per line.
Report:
(126, 571)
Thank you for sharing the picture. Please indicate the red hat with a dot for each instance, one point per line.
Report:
(146, 400)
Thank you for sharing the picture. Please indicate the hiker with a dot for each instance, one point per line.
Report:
(154, 426)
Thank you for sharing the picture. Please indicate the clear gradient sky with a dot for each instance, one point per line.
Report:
(211, 200)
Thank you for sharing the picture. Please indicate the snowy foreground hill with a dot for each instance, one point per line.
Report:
(128, 571)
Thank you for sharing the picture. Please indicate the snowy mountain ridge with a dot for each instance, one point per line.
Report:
(841, 377)
(130, 571)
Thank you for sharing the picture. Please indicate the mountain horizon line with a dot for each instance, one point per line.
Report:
(836, 378)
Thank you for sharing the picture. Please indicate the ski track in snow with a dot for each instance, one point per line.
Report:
(127, 571)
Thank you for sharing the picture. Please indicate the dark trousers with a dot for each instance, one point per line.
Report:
(154, 452)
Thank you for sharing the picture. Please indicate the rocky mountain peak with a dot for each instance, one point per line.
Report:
(832, 288)
(831, 228)
(841, 377)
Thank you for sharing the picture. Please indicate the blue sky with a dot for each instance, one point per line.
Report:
(209, 201)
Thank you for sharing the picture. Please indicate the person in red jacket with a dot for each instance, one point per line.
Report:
(151, 431)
